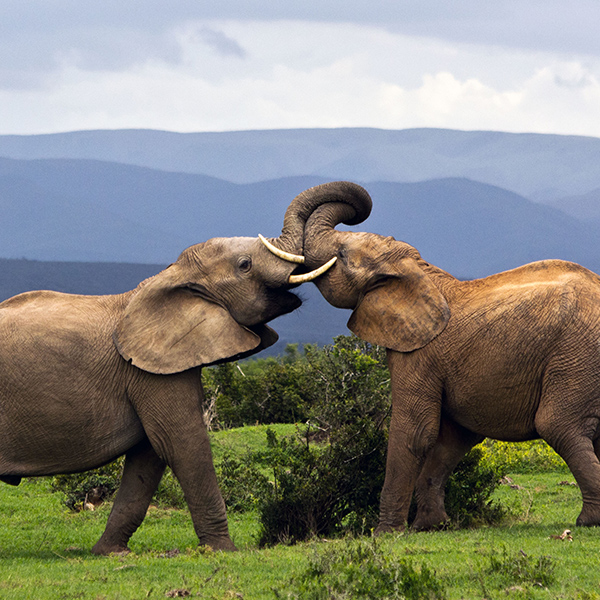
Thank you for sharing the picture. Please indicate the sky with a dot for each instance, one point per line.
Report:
(226, 65)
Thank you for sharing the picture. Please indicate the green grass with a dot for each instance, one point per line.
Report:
(44, 549)
(242, 439)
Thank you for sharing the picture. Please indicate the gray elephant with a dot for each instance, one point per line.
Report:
(85, 379)
(514, 356)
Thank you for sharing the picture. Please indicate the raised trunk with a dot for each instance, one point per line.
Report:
(346, 202)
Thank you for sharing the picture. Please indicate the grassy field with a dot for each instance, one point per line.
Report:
(44, 550)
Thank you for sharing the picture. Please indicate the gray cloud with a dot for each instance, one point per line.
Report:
(29, 58)
(38, 37)
(220, 42)
(543, 24)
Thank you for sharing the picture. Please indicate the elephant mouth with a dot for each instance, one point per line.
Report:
(283, 301)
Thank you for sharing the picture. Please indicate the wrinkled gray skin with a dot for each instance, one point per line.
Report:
(85, 379)
(514, 356)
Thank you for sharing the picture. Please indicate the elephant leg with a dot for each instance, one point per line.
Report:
(572, 428)
(141, 476)
(201, 491)
(173, 420)
(453, 442)
(585, 466)
(414, 429)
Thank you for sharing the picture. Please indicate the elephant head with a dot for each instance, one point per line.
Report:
(395, 303)
(211, 305)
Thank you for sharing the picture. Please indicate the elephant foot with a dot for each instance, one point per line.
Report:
(103, 549)
(430, 521)
(383, 528)
(219, 544)
(589, 516)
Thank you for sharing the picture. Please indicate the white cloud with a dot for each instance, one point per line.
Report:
(225, 75)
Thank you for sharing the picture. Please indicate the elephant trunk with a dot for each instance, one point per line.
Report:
(345, 202)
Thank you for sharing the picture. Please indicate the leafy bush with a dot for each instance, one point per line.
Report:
(259, 391)
(241, 482)
(331, 488)
(100, 485)
(169, 493)
(78, 487)
(469, 491)
(319, 490)
(362, 571)
(521, 457)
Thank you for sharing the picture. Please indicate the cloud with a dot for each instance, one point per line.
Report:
(220, 42)
(545, 25)
(211, 75)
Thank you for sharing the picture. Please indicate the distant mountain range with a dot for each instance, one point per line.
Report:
(473, 203)
(85, 210)
(538, 166)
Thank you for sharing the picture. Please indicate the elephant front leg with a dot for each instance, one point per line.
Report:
(141, 476)
(196, 474)
(452, 444)
(414, 429)
(172, 418)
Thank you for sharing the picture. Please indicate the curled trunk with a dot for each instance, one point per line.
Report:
(341, 202)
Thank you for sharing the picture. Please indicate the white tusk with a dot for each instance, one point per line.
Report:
(313, 274)
(295, 258)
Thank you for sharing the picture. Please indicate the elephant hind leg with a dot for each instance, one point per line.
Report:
(453, 442)
(141, 476)
(577, 442)
(583, 463)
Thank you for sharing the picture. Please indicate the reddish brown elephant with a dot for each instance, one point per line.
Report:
(514, 356)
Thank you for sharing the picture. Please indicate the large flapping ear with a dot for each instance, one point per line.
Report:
(167, 328)
(404, 312)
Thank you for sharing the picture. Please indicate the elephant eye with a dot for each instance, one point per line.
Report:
(245, 264)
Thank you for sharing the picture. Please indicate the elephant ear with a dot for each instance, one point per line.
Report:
(167, 327)
(403, 312)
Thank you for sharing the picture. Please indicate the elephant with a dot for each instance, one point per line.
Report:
(514, 356)
(86, 379)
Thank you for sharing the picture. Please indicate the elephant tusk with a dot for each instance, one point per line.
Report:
(313, 274)
(295, 258)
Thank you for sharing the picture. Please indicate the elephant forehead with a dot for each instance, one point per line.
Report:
(220, 248)
(232, 243)
(365, 249)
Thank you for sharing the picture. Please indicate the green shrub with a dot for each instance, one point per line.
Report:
(332, 487)
(100, 485)
(361, 570)
(77, 488)
(521, 457)
(319, 490)
(241, 482)
(505, 570)
(169, 493)
(260, 391)
(469, 491)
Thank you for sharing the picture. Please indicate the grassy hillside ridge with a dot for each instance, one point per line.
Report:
(546, 165)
